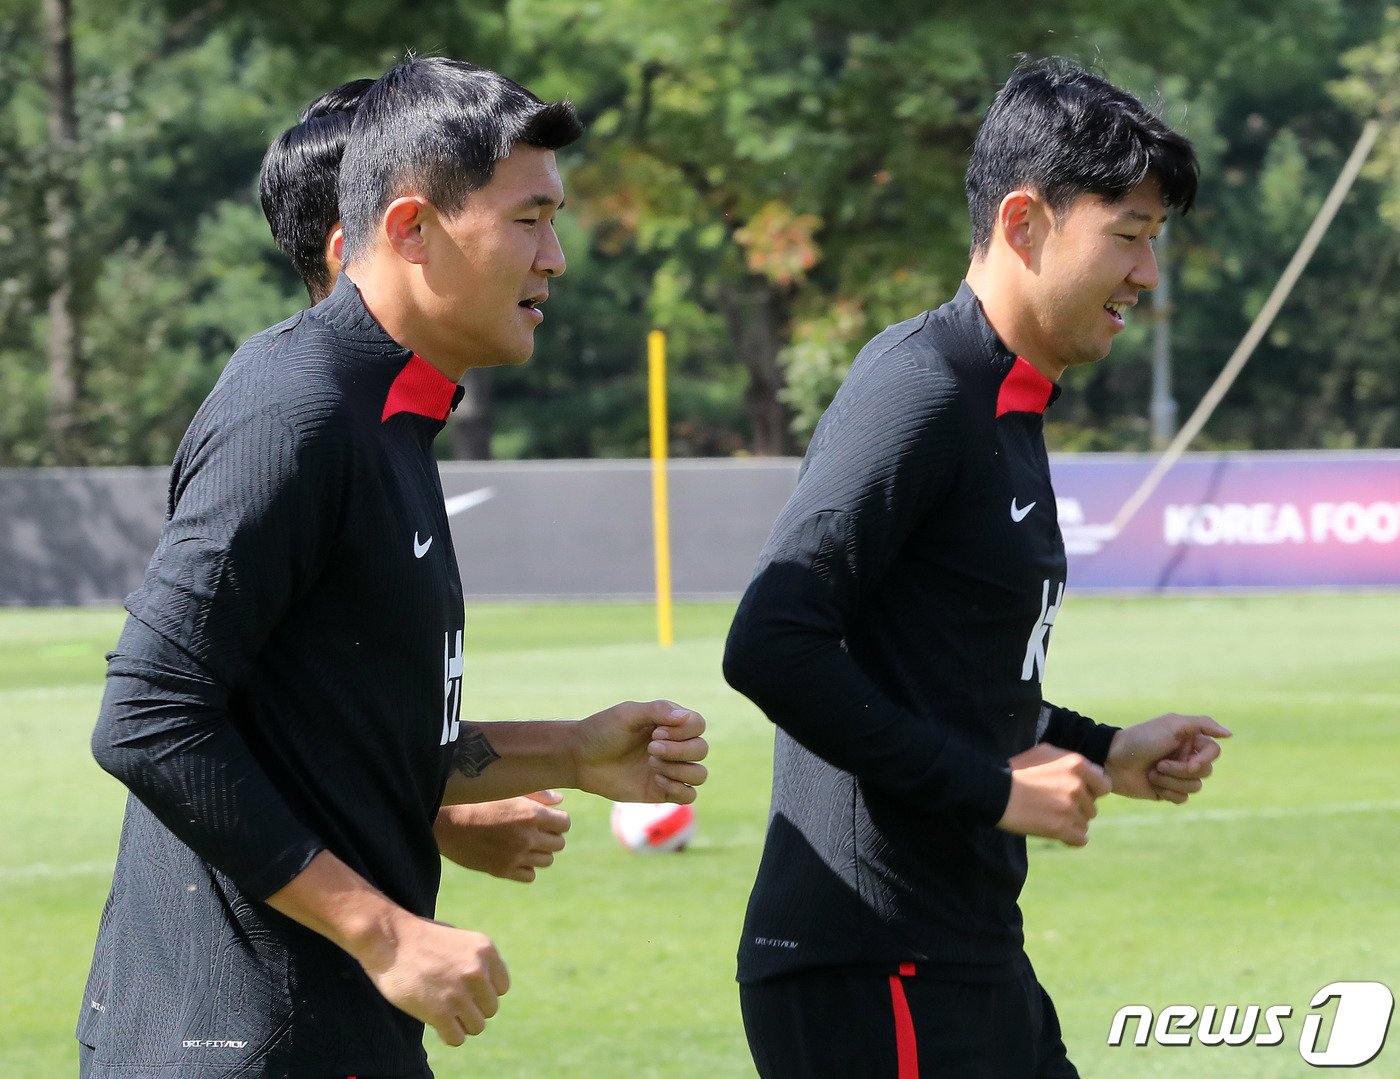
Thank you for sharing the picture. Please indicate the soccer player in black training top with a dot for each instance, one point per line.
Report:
(897, 625)
(284, 701)
(516, 837)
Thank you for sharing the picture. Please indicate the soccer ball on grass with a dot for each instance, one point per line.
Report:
(644, 828)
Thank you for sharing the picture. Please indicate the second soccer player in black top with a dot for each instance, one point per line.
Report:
(897, 627)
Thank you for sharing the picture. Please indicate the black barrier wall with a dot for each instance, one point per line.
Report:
(522, 529)
(583, 529)
(77, 536)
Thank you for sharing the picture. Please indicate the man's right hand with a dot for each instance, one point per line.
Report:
(449, 978)
(1052, 795)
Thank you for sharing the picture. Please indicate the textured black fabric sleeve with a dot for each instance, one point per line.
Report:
(255, 497)
(164, 731)
(882, 458)
(1079, 734)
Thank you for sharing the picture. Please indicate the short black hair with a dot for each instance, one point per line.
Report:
(298, 179)
(1062, 131)
(438, 126)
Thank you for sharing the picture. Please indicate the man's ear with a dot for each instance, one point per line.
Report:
(402, 227)
(335, 250)
(1022, 221)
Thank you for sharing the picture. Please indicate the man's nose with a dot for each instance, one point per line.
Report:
(1145, 275)
(549, 259)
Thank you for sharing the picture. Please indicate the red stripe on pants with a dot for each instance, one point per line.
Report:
(906, 1044)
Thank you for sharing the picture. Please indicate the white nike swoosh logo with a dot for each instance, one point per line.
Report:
(1019, 515)
(461, 503)
(420, 549)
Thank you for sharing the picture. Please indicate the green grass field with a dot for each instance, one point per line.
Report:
(1282, 877)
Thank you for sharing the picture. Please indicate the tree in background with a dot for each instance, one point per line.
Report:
(65, 345)
(793, 171)
(168, 269)
(1275, 138)
(772, 181)
(173, 266)
(784, 168)
(23, 272)
(1359, 391)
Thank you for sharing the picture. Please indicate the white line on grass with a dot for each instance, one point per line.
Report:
(46, 870)
(52, 870)
(1246, 813)
(48, 693)
(1319, 696)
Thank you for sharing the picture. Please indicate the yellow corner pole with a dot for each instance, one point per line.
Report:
(660, 506)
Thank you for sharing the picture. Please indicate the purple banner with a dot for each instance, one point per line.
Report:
(1233, 520)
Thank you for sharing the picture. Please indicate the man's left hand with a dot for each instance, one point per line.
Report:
(511, 839)
(1166, 758)
(642, 752)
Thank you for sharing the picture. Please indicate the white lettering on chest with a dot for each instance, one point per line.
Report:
(1034, 665)
(452, 687)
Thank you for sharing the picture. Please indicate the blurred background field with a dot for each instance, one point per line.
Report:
(1281, 878)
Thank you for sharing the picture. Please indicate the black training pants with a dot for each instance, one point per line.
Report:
(860, 1025)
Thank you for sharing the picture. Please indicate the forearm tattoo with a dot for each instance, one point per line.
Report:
(474, 753)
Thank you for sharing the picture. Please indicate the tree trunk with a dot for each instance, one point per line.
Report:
(472, 422)
(757, 314)
(61, 230)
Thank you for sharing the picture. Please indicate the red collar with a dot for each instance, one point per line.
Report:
(422, 389)
(1024, 389)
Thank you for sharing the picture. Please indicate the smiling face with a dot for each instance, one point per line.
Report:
(1093, 261)
(486, 268)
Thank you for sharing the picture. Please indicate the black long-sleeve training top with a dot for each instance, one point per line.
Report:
(288, 681)
(895, 630)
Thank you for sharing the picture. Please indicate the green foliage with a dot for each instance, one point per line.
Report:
(772, 183)
(817, 361)
(1371, 87)
(1272, 138)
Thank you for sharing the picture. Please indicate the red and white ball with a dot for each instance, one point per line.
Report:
(644, 828)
